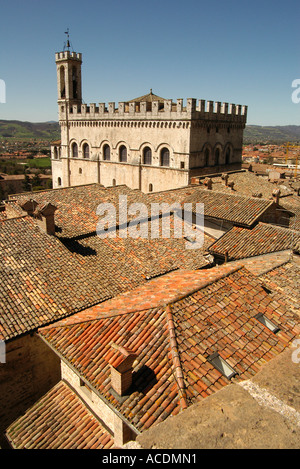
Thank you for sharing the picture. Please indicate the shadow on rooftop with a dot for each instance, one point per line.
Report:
(75, 247)
(143, 379)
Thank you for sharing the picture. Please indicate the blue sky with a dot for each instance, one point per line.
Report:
(242, 52)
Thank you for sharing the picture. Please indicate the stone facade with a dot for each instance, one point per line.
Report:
(149, 143)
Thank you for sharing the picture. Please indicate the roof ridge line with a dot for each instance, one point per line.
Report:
(178, 373)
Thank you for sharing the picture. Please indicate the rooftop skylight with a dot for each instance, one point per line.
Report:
(218, 362)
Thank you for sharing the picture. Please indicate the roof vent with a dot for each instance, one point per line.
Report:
(121, 365)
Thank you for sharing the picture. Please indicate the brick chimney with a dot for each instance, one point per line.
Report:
(208, 183)
(225, 178)
(276, 195)
(121, 369)
(45, 218)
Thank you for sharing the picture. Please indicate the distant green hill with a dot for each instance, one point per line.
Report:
(51, 131)
(276, 134)
(27, 130)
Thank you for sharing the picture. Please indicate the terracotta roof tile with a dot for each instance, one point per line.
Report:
(173, 343)
(264, 238)
(59, 420)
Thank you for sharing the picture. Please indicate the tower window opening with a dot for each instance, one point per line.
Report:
(74, 82)
(62, 82)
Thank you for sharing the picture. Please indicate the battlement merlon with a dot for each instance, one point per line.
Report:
(206, 110)
(62, 56)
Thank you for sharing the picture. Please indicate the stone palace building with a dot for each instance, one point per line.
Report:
(148, 143)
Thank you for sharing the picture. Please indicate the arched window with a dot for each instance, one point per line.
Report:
(165, 157)
(62, 82)
(147, 155)
(74, 150)
(59, 181)
(86, 150)
(227, 156)
(217, 156)
(80, 170)
(150, 187)
(55, 153)
(114, 182)
(123, 154)
(106, 152)
(74, 82)
(206, 157)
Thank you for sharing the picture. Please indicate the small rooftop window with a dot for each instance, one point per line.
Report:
(221, 365)
(266, 322)
(267, 290)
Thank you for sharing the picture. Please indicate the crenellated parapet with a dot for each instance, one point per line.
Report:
(167, 109)
(66, 55)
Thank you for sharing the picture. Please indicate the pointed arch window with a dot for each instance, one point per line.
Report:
(217, 156)
(147, 155)
(165, 157)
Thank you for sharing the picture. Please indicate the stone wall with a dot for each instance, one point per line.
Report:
(30, 370)
(111, 420)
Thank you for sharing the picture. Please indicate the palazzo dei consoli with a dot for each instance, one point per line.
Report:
(148, 143)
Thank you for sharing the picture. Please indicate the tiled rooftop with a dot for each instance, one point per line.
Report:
(173, 337)
(41, 281)
(49, 277)
(264, 238)
(230, 206)
(59, 420)
(248, 183)
(76, 206)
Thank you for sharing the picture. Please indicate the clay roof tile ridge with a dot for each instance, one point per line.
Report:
(178, 373)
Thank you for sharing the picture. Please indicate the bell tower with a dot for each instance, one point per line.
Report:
(68, 65)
